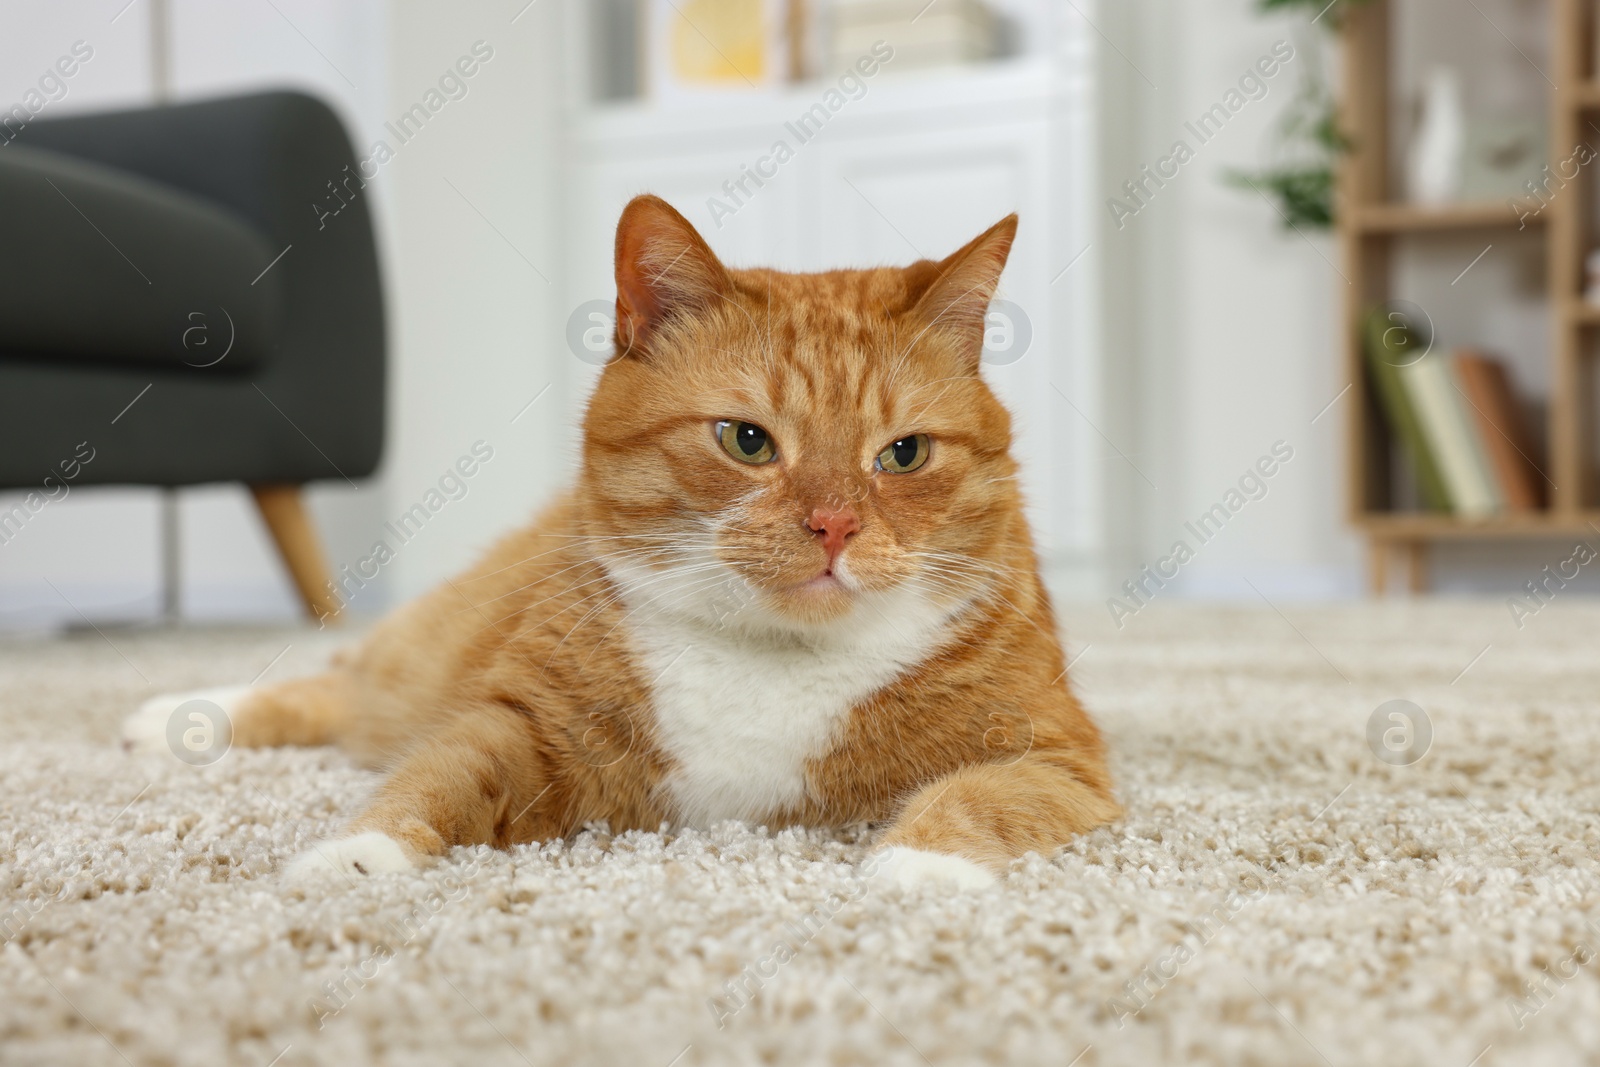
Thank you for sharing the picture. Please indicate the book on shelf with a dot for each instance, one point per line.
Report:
(1487, 389)
(1430, 385)
(1457, 421)
(1391, 344)
(922, 34)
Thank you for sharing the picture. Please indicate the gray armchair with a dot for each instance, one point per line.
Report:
(191, 294)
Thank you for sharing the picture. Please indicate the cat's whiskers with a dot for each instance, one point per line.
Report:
(617, 595)
(682, 595)
(574, 541)
(644, 552)
(599, 579)
(587, 561)
(957, 559)
(959, 573)
(584, 562)
(662, 574)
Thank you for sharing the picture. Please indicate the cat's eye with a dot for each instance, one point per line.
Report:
(746, 442)
(905, 455)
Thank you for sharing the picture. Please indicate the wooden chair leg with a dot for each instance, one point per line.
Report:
(1377, 567)
(1417, 567)
(284, 511)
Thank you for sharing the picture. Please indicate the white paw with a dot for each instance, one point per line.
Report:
(906, 867)
(350, 857)
(198, 734)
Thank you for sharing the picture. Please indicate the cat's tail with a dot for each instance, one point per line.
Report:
(198, 726)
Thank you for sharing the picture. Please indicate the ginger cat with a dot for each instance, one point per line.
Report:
(793, 585)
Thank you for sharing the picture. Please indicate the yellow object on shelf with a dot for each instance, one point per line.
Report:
(698, 47)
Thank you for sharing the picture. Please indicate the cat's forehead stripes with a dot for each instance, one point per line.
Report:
(831, 343)
(877, 293)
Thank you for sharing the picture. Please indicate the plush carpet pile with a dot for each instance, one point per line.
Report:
(1278, 894)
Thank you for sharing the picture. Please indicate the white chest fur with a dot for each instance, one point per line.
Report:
(741, 714)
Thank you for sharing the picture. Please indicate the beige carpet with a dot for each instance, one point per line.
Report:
(1276, 895)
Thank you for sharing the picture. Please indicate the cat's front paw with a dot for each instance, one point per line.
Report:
(908, 867)
(351, 858)
(200, 735)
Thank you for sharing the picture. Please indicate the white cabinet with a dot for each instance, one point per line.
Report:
(915, 168)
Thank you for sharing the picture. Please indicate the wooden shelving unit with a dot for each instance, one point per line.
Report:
(1407, 218)
(1371, 219)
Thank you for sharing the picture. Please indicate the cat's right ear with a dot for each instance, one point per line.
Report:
(664, 269)
(957, 301)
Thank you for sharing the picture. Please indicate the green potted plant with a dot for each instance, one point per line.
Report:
(1308, 142)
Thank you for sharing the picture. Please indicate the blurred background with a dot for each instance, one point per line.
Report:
(1175, 320)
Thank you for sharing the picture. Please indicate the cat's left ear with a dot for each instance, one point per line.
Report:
(665, 270)
(957, 301)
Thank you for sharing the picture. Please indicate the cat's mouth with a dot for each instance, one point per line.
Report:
(830, 584)
(826, 582)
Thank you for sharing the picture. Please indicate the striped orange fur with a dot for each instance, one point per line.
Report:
(856, 643)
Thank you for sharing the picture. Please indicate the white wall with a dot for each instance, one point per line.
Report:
(1220, 325)
(35, 35)
(478, 334)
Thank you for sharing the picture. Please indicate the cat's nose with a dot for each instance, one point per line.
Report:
(835, 525)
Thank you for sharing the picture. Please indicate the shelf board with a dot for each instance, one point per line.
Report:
(1410, 218)
(973, 94)
(1582, 312)
(1431, 526)
(1586, 95)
